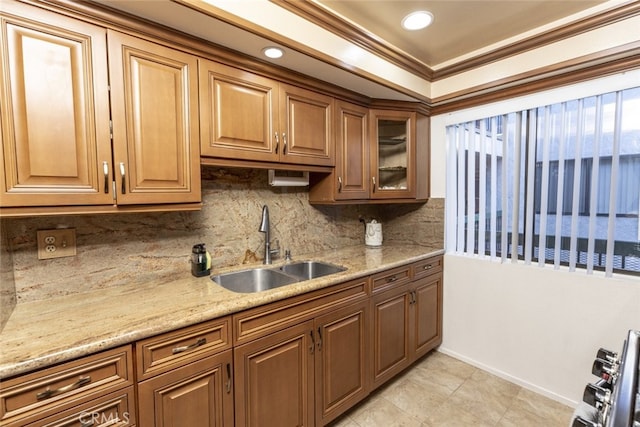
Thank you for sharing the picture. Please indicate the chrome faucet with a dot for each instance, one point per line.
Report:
(264, 228)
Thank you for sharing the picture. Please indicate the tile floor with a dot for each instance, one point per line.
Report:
(441, 391)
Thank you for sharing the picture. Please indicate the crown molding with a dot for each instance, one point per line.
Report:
(590, 23)
(608, 62)
(324, 18)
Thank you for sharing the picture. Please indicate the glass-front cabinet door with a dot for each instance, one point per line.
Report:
(393, 154)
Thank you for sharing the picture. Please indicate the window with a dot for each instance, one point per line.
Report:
(557, 184)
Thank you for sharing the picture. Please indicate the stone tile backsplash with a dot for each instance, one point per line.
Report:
(116, 249)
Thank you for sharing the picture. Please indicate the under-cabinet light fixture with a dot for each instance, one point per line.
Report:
(417, 20)
(272, 52)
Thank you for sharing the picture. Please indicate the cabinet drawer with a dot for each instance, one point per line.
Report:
(260, 321)
(391, 278)
(171, 350)
(59, 388)
(114, 410)
(427, 267)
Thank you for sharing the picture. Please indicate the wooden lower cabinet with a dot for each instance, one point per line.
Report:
(407, 324)
(391, 332)
(426, 315)
(274, 379)
(114, 410)
(199, 394)
(305, 375)
(341, 361)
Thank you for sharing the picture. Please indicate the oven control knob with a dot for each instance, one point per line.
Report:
(608, 355)
(581, 422)
(596, 396)
(604, 369)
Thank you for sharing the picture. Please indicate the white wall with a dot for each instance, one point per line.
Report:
(537, 327)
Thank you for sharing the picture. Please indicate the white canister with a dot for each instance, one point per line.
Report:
(373, 233)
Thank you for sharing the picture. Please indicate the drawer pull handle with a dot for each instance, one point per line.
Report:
(313, 342)
(427, 267)
(201, 341)
(339, 184)
(50, 393)
(284, 143)
(105, 171)
(277, 142)
(110, 422)
(124, 178)
(228, 385)
(392, 279)
(319, 339)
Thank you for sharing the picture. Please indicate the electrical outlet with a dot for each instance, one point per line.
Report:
(57, 243)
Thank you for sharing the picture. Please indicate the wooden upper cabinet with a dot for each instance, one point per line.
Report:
(352, 152)
(350, 180)
(381, 155)
(55, 110)
(245, 116)
(306, 127)
(236, 113)
(154, 96)
(57, 147)
(393, 147)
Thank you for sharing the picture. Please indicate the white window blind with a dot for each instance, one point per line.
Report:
(557, 184)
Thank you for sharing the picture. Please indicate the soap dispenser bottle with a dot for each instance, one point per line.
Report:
(200, 261)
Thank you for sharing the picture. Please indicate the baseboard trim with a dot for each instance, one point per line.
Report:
(529, 386)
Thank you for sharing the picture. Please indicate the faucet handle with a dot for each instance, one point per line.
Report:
(274, 249)
(287, 255)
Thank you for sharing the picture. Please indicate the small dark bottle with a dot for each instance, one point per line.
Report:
(200, 261)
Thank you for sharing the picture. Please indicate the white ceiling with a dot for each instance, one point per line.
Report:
(460, 27)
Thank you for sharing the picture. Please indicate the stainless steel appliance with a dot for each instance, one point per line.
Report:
(614, 400)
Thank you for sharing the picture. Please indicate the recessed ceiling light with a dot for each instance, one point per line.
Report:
(272, 52)
(417, 20)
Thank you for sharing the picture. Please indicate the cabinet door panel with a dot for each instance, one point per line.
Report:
(428, 327)
(196, 395)
(352, 152)
(341, 361)
(55, 120)
(155, 123)
(390, 334)
(393, 154)
(306, 127)
(274, 379)
(236, 113)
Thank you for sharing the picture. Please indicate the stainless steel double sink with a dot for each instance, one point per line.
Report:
(262, 278)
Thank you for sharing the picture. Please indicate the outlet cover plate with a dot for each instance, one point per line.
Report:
(56, 243)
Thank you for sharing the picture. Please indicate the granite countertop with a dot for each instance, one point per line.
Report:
(43, 333)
